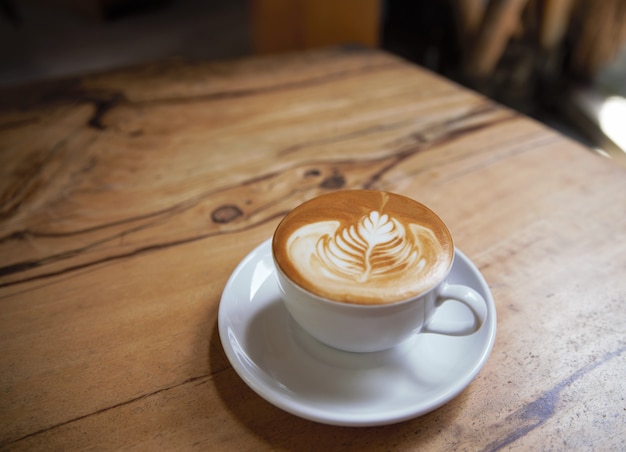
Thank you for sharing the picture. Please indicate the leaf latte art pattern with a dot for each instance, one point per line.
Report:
(377, 246)
(363, 247)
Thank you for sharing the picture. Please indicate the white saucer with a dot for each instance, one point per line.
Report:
(293, 371)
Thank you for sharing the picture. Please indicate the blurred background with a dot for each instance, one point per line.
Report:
(560, 61)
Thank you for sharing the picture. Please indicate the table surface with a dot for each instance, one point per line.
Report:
(129, 197)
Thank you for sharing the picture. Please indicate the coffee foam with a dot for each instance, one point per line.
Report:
(363, 247)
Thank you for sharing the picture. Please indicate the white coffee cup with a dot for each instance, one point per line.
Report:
(360, 324)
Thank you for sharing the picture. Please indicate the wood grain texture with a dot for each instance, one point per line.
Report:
(128, 197)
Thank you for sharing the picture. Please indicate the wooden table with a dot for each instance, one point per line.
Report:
(129, 197)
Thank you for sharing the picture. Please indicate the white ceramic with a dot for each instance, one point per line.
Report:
(295, 372)
(372, 328)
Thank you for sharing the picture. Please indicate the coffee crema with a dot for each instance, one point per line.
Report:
(363, 247)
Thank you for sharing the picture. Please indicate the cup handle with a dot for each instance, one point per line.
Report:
(470, 298)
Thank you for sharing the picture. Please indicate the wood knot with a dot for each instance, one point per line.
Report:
(335, 180)
(226, 214)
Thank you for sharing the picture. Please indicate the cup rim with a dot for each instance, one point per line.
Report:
(448, 234)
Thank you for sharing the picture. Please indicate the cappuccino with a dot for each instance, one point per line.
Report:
(363, 247)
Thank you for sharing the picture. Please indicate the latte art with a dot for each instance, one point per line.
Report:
(363, 247)
(376, 246)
